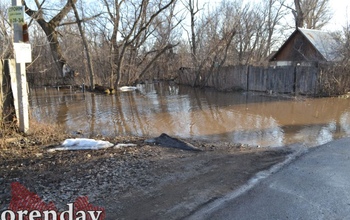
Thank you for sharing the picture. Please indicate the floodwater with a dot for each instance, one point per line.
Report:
(248, 118)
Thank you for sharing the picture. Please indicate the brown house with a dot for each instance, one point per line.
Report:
(306, 46)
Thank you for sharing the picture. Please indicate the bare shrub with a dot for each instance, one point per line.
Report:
(334, 79)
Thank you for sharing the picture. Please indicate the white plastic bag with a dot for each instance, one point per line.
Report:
(82, 144)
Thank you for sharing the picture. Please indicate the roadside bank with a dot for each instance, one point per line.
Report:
(140, 182)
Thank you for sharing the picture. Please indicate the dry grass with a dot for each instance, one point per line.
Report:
(17, 148)
(39, 134)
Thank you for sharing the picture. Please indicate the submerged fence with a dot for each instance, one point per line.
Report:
(278, 79)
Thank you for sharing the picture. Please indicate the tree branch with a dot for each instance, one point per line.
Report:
(80, 20)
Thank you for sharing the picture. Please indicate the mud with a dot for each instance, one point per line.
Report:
(143, 182)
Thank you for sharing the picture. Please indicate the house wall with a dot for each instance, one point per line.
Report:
(298, 49)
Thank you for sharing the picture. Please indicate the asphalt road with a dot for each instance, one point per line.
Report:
(315, 185)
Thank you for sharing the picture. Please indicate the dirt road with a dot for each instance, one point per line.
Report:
(143, 182)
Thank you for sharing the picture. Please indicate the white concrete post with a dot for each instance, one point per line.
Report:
(22, 91)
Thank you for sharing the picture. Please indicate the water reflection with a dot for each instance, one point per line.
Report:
(251, 118)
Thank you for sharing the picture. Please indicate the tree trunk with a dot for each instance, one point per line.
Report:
(114, 51)
(7, 108)
(167, 47)
(86, 46)
(52, 37)
(298, 14)
(50, 30)
(193, 40)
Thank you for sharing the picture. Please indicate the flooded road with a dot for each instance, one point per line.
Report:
(249, 118)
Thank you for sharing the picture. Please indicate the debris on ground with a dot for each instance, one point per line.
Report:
(167, 141)
(82, 144)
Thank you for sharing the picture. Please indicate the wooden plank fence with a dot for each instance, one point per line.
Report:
(229, 78)
(257, 79)
(307, 80)
(278, 79)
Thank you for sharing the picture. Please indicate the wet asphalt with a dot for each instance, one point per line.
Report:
(315, 185)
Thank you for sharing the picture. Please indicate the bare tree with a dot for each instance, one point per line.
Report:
(273, 11)
(343, 37)
(250, 25)
(346, 47)
(210, 37)
(131, 30)
(193, 8)
(5, 34)
(298, 14)
(50, 28)
(317, 13)
(312, 14)
(85, 43)
(249, 44)
(334, 77)
(165, 35)
(7, 113)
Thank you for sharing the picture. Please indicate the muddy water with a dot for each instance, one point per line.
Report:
(250, 118)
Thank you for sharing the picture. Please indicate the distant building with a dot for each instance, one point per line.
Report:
(306, 47)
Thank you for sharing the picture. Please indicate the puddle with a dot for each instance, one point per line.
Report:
(249, 118)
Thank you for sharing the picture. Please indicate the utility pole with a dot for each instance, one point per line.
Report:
(16, 14)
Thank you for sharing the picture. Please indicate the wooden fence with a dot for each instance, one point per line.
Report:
(278, 79)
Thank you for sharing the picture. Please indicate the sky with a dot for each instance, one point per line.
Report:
(340, 8)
